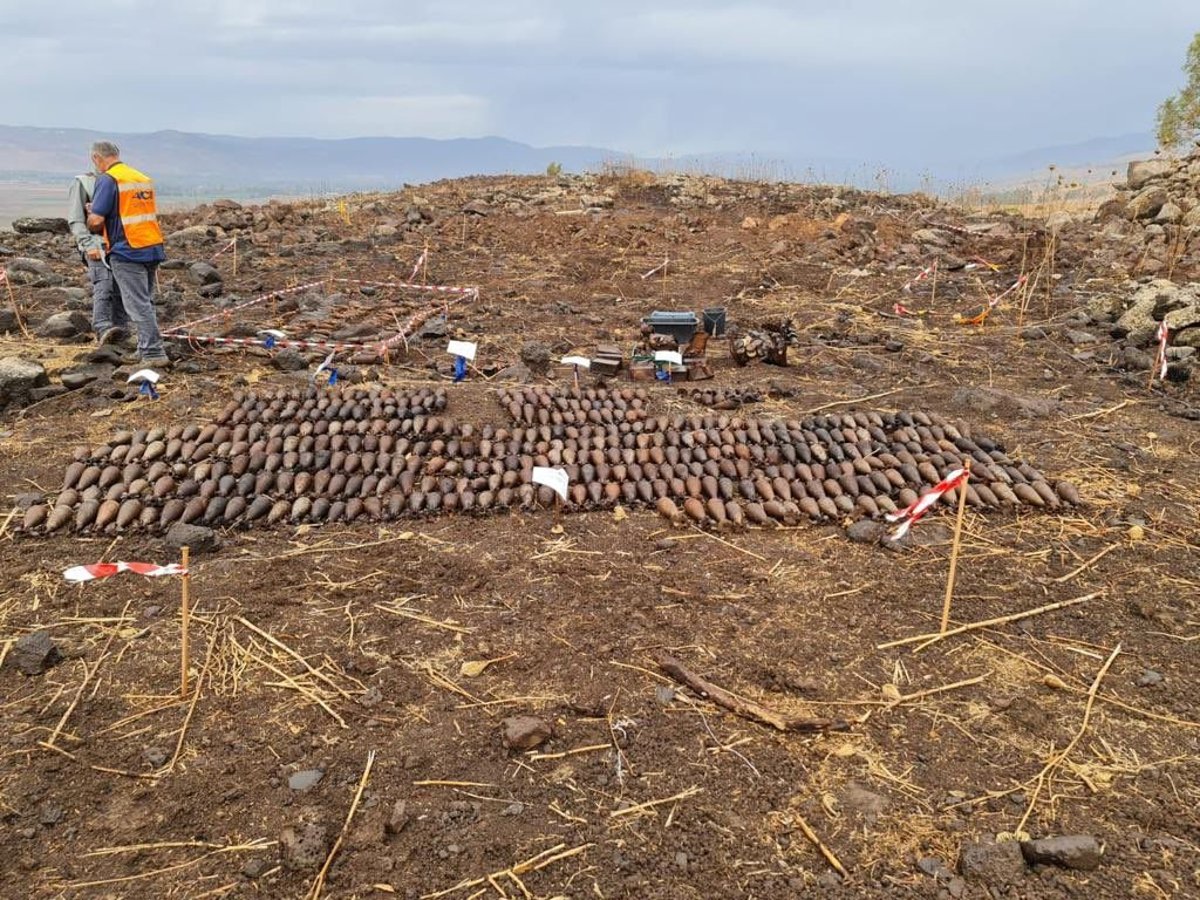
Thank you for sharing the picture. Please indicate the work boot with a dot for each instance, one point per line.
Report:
(111, 335)
(156, 362)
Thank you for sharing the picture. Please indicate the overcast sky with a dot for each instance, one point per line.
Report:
(905, 81)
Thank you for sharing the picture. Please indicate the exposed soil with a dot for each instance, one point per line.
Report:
(315, 647)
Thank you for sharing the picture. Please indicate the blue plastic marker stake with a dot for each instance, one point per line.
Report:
(147, 390)
(269, 342)
(460, 368)
(333, 377)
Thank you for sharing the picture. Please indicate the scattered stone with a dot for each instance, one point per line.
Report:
(305, 780)
(197, 538)
(433, 328)
(1149, 678)
(40, 225)
(1142, 172)
(524, 732)
(37, 395)
(79, 378)
(1034, 333)
(50, 815)
(289, 360)
(513, 809)
(67, 324)
(664, 695)
(155, 757)
(305, 846)
(204, 273)
(33, 654)
(866, 531)
(476, 208)
(536, 356)
(1074, 851)
(256, 867)
(867, 804)
(520, 372)
(997, 865)
(1080, 337)
(930, 236)
(399, 818)
(215, 289)
(8, 322)
(1147, 203)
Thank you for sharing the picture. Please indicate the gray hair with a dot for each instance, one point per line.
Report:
(106, 150)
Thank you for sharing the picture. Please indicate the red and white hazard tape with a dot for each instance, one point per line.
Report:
(1164, 335)
(417, 266)
(231, 245)
(279, 344)
(912, 513)
(409, 286)
(79, 574)
(919, 277)
(659, 268)
(1016, 284)
(225, 313)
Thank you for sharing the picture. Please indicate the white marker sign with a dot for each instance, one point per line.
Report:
(273, 333)
(143, 375)
(582, 361)
(464, 349)
(555, 479)
(669, 356)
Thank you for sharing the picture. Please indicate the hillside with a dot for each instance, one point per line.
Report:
(707, 672)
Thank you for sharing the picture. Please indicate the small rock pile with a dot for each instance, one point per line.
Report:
(1160, 203)
(1134, 319)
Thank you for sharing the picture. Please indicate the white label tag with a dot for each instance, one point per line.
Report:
(143, 375)
(669, 356)
(555, 479)
(464, 349)
(582, 361)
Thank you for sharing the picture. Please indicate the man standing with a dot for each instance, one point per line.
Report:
(108, 313)
(124, 211)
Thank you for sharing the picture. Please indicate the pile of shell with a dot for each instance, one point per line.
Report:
(723, 398)
(357, 455)
(599, 406)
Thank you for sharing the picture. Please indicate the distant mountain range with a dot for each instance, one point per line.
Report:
(206, 165)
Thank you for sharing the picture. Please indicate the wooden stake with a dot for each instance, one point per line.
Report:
(184, 613)
(12, 299)
(986, 623)
(962, 505)
(557, 509)
(933, 292)
(235, 255)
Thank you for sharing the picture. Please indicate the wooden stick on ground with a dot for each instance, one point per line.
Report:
(1055, 761)
(986, 623)
(1095, 559)
(12, 299)
(820, 845)
(319, 884)
(958, 522)
(747, 709)
(184, 613)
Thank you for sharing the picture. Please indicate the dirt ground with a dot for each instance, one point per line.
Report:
(342, 649)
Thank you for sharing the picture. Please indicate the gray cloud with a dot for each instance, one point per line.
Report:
(904, 82)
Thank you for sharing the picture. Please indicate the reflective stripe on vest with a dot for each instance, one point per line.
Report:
(136, 206)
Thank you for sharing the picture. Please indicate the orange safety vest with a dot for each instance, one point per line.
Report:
(136, 207)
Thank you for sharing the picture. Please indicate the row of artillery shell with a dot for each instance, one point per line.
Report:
(820, 467)
(722, 398)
